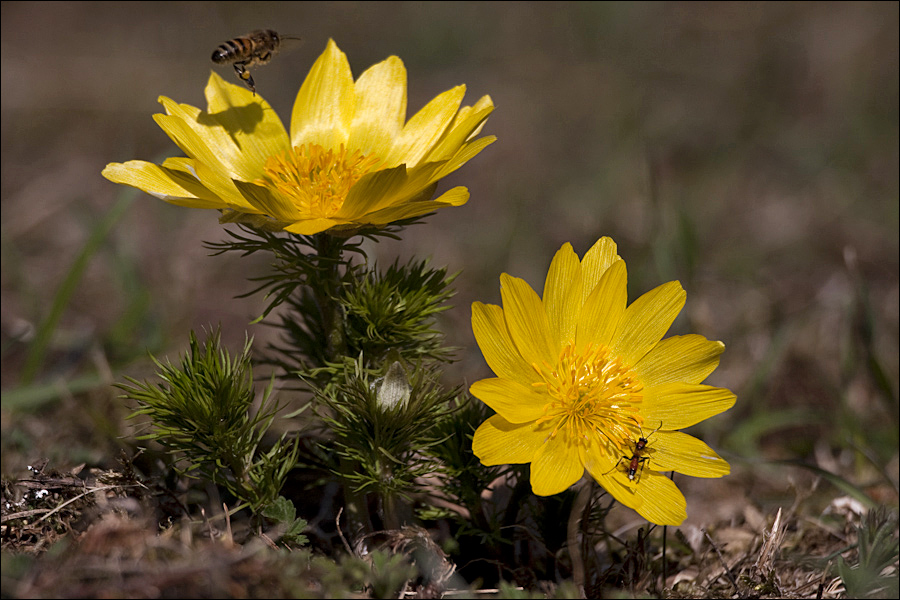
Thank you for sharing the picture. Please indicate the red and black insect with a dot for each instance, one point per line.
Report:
(636, 461)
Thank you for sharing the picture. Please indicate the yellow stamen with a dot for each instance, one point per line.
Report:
(592, 395)
(315, 179)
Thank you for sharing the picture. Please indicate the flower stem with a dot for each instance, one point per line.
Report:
(576, 521)
(329, 250)
(326, 289)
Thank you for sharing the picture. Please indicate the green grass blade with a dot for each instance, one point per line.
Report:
(836, 480)
(33, 397)
(37, 352)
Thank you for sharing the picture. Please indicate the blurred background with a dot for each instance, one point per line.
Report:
(749, 150)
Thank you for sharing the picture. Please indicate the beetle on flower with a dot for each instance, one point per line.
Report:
(581, 374)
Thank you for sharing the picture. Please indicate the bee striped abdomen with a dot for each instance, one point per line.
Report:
(236, 49)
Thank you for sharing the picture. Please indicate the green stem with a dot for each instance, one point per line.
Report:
(576, 524)
(326, 290)
(359, 521)
(394, 512)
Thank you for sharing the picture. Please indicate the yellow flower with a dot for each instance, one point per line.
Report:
(351, 159)
(586, 383)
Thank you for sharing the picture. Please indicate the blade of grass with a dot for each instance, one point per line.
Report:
(744, 438)
(32, 397)
(37, 352)
(835, 480)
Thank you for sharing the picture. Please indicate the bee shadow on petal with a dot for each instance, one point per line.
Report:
(236, 119)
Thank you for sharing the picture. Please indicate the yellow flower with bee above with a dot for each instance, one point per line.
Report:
(351, 159)
(586, 382)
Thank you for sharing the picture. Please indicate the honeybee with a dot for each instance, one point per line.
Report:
(255, 48)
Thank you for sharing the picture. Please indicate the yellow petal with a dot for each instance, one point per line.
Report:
(555, 467)
(214, 175)
(193, 172)
(188, 141)
(312, 226)
(458, 134)
(224, 188)
(269, 203)
(677, 451)
(171, 185)
(181, 163)
(454, 197)
(652, 495)
(613, 479)
(527, 321)
(256, 220)
(373, 192)
(324, 108)
(408, 185)
(515, 402)
(603, 309)
(465, 113)
(463, 155)
(421, 183)
(596, 260)
(210, 145)
(562, 294)
(598, 455)
(423, 131)
(662, 501)
(647, 320)
(499, 442)
(254, 130)
(380, 108)
(500, 353)
(688, 358)
(679, 405)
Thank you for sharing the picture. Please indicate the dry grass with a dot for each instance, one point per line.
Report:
(107, 541)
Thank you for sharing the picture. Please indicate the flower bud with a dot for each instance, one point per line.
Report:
(393, 388)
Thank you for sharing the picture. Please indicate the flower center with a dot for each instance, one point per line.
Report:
(592, 395)
(315, 179)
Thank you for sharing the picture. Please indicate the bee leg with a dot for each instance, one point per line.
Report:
(244, 74)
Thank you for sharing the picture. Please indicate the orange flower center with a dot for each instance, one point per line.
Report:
(592, 395)
(315, 179)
